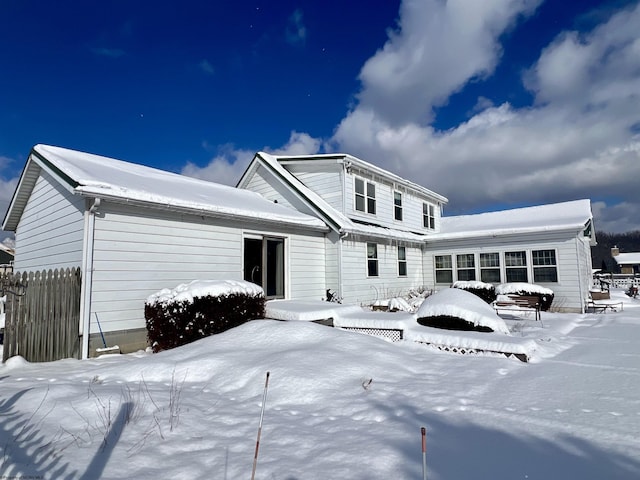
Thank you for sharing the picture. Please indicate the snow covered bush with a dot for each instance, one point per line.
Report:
(199, 309)
(455, 309)
(486, 291)
(545, 295)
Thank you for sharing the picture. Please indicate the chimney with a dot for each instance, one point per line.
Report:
(615, 251)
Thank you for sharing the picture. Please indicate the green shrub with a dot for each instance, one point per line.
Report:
(171, 324)
(448, 322)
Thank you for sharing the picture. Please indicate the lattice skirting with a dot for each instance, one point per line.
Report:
(387, 333)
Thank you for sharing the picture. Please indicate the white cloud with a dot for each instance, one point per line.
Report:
(225, 168)
(230, 163)
(438, 47)
(576, 141)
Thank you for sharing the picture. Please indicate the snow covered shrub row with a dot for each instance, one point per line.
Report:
(200, 309)
(485, 291)
(545, 295)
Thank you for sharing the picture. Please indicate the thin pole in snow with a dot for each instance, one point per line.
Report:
(423, 431)
(264, 401)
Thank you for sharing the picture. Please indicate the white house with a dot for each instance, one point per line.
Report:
(298, 226)
(387, 233)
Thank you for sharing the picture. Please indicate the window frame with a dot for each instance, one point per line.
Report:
(397, 206)
(492, 266)
(511, 268)
(443, 268)
(402, 261)
(465, 270)
(428, 216)
(373, 265)
(538, 268)
(364, 196)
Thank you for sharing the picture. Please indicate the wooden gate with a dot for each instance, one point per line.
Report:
(42, 318)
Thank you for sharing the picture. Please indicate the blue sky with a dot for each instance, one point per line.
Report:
(494, 104)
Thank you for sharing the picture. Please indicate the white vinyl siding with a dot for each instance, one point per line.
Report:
(572, 259)
(358, 288)
(50, 232)
(139, 252)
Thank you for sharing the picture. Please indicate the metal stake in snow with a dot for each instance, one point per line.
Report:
(264, 400)
(423, 431)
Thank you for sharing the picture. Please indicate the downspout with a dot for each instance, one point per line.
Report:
(580, 286)
(87, 276)
(342, 235)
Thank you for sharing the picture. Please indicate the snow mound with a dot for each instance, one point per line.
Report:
(201, 288)
(307, 310)
(454, 302)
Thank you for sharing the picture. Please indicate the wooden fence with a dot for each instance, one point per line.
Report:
(42, 317)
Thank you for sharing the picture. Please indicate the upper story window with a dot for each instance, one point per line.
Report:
(365, 197)
(428, 216)
(397, 206)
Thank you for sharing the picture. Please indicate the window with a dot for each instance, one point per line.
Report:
(466, 266)
(372, 259)
(428, 216)
(516, 266)
(444, 270)
(490, 267)
(544, 266)
(397, 206)
(402, 261)
(365, 202)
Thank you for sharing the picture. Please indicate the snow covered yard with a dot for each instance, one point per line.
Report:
(339, 405)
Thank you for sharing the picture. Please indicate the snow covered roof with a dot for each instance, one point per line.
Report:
(573, 215)
(316, 203)
(96, 176)
(631, 258)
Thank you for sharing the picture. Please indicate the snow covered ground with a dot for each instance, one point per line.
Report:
(340, 405)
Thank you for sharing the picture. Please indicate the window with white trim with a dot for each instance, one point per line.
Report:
(397, 206)
(490, 267)
(545, 268)
(466, 267)
(444, 269)
(515, 264)
(402, 261)
(372, 259)
(365, 196)
(428, 216)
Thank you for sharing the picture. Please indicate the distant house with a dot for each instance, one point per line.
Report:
(298, 226)
(628, 263)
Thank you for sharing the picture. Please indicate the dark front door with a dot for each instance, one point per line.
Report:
(264, 264)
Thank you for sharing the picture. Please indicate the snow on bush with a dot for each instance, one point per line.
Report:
(462, 305)
(485, 291)
(198, 309)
